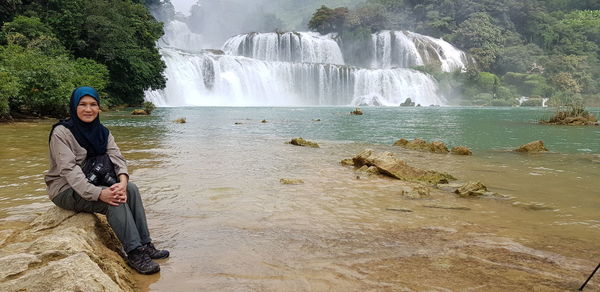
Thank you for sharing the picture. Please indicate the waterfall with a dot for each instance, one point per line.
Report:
(207, 79)
(298, 69)
(301, 47)
(406, 49)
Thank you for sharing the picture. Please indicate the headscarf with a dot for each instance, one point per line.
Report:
(92, 136)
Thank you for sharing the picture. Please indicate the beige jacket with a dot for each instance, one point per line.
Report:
(66, 159)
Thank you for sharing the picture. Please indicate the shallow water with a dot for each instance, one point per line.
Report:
(213, 196)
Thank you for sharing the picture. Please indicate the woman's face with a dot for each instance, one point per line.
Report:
(87, 109)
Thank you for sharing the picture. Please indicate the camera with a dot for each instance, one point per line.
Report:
(101, 175)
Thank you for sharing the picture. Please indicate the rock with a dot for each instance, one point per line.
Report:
(237, 123)
(418, 192)
(74, 273)
(347, 162)
(535, 146)
(52, 218)
(439, 147)
(62, 250)
(316, 120)
(180, 121)
(422, 145)
(461, 150)
(408, 102)
(363, 168)
(357, 112)
(289, 181)
(263, 121)
(471, 189)
(401, 142)
(302, 142)
(16, 263)
(388, 164)
(372, 170)
(139, 112)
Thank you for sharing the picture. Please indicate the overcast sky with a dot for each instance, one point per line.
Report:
(183, 5)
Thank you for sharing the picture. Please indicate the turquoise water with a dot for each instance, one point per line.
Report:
(481, 129)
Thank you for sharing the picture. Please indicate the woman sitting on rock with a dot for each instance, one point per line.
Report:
(88, 174)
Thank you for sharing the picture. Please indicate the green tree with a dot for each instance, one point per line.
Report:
(326, 20)
(44, 83)
(119, 34)
(481, 37)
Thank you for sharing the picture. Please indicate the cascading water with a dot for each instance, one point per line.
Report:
(299, 47)
(222, 80)
(406, 49)
(298, 69)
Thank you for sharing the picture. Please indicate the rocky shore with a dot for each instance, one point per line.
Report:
(63, 251)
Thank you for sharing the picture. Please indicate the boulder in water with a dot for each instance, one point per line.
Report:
(401, 142)
(357, 112)
(301, 142)
(386, 163)
(439, 147)
(535, 146)
(471, 189)
(461, 150)
(408, 102)
(180, 121)
(422, 145)
(139, 112)
(347, 162)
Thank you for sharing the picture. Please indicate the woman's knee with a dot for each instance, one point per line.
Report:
(132, 188)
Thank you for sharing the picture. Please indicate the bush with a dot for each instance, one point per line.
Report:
(149, 107)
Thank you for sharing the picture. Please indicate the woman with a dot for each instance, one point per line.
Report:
(82, 137)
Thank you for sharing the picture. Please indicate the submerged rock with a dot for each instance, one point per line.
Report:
(301, 142)
(535, 146)
(417, 192)
(263, 121)
(422, 145)
(64, 251)
(386, 163)
(290, 181)
(471, 189)
(180, 121)
(461, 150)
(347, 162)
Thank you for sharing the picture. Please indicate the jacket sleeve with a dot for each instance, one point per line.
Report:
(115, 156)
(69, 170)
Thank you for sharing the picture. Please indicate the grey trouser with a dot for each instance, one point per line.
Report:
(127, 220)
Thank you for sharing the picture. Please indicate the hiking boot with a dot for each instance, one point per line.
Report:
(141, 262)
(154, 253)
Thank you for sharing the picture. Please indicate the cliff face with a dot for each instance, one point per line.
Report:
(63, 250)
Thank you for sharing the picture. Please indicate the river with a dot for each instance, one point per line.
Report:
(213, 196)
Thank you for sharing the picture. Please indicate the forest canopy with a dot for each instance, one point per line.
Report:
(49, 47)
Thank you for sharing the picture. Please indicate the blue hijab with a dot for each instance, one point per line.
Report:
(92, 136)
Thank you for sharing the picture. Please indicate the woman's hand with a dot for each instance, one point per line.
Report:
(111, 197)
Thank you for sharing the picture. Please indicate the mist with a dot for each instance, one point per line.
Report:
(218, 20)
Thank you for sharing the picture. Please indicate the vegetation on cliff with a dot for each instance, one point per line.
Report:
(47, 48)
(534, 48)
